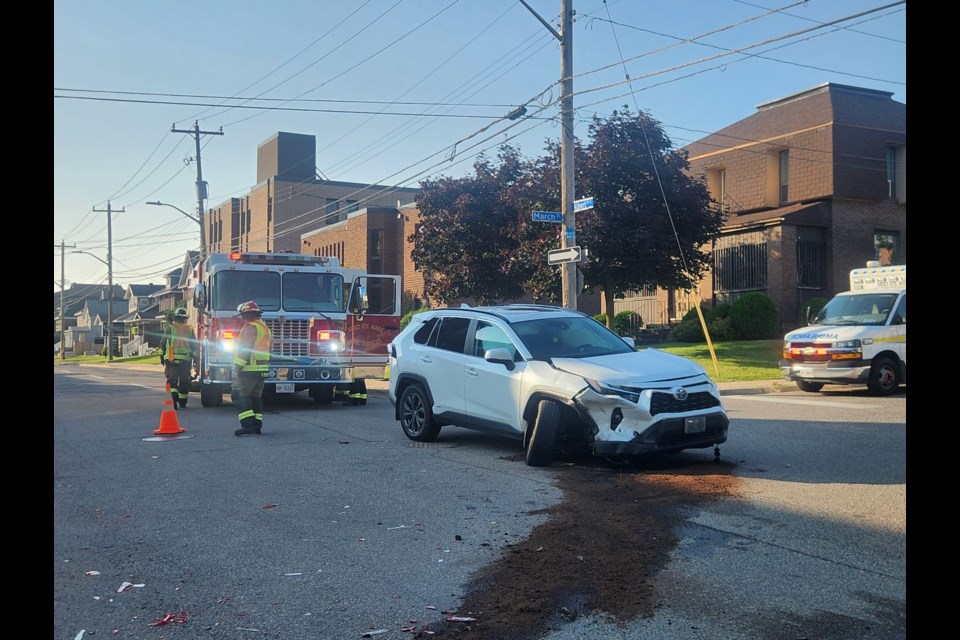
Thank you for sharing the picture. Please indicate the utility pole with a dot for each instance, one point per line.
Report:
(63, 283)
(109, 213)
(201, 185)
(568, 273)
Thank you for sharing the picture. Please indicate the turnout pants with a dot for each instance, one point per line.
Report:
(178, 377)
(247, 395)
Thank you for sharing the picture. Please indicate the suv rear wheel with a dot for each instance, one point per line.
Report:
(416, 415)
(540, 446)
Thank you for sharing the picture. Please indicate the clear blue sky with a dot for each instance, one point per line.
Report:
(126, 72)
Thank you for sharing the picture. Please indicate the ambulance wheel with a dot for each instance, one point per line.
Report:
(809, 387)
(884, 379)
(211, 395)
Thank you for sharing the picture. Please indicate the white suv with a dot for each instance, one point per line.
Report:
(549, 376)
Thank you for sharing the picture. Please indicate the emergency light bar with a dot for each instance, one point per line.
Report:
(278, 258)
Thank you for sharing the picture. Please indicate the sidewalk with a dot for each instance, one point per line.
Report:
(379, 386)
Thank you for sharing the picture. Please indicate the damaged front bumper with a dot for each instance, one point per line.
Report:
(661, 420)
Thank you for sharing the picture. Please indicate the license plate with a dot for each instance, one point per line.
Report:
(697, 424)
(289, 388)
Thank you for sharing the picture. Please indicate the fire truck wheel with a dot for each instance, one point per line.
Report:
(322, 393)
(211, 395)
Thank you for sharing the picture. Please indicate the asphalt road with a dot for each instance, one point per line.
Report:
(332, 524)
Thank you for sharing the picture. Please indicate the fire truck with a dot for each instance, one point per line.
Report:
(330, 325)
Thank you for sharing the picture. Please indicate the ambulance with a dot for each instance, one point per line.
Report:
(858, 338)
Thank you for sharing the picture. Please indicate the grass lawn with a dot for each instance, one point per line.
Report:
(150, 359)
(738, 361)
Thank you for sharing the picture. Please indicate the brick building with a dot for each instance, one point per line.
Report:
(813, 185)
(289, 198)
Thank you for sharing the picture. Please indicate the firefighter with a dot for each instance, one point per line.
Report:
(178, 351)
(251, 362)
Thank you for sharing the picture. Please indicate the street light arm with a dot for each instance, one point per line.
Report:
(92, 256)
(164, 204)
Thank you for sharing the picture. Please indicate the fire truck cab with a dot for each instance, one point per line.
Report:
(330, 325)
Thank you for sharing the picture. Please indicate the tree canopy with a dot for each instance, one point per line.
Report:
(650, 222)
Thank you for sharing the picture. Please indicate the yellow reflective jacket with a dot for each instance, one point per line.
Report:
(179, 342)
(253, 348)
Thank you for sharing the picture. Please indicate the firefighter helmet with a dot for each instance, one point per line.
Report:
(249, 307)
(180, 314)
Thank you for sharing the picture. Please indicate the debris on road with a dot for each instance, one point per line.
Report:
(179, 618)
(371, 634)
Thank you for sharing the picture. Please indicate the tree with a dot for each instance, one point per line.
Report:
(649, 225)
(467, 241)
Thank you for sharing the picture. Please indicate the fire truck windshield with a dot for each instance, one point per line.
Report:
(232, 288)
(312, 292)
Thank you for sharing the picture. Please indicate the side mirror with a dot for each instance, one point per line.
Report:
(359, 303)
(199, 296)
(500, 356)
(629, 341)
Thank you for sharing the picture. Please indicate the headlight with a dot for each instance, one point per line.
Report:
(847, 344)
(604, 390)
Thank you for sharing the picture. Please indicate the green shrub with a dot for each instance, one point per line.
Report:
(627, 323)
(721, 330)
(405, 320)
(754, 317)
(601, 318)
(688, 330)
(721, 310)
(691, 314)
(814, 304)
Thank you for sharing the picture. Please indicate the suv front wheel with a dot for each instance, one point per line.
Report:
(416, 415)
(540, 446)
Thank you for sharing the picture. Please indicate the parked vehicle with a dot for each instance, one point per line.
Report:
(327, 322)
(859, 337)
(549, 376)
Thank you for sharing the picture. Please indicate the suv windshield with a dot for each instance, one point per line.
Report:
(570, 337)
(860, 309)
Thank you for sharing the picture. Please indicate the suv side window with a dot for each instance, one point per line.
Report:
(422, 336)
(452, 334)
(490, 336)
(902, 310)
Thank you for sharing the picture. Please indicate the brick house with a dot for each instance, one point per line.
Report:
(813, 185)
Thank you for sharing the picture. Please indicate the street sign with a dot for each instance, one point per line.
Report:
(582, 204)
(547, 216)
(569, 254)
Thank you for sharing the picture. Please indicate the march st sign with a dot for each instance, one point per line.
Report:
(547, 216)
(568, 254)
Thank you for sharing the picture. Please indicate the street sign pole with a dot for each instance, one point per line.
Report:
(568, 238)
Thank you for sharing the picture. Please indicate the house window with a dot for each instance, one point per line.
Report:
(331, 210)
(885, 246)
(740, 268)
(784, 175)
(352, 206)
(891, 172)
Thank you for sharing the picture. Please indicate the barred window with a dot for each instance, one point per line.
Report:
(740, 268)
(811, 264)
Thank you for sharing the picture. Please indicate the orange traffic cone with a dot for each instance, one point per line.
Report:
(169, 423)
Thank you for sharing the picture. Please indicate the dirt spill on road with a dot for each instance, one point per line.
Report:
(597, 553)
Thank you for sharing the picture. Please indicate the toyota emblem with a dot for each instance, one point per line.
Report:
(680, 393)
